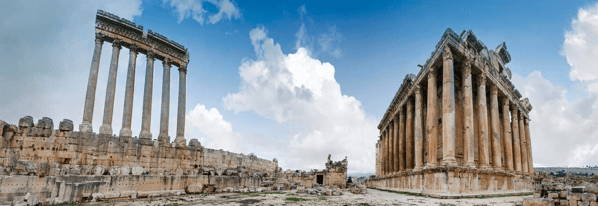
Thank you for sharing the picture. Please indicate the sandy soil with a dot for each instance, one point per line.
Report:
(374, 197)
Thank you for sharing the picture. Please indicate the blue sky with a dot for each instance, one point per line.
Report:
(369, 48)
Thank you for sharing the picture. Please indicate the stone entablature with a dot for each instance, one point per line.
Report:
(460, 110)
(110, 27)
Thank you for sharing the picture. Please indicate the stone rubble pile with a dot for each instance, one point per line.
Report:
(566, 191)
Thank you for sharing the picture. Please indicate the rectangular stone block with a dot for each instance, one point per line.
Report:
(588, 197)
(553, 195)
(563, 194)
(572, 202)
(537, 195)
(593, 203)
(564, 203)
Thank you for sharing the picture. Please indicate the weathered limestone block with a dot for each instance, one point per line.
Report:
(530, 201)
(100, 170)
(25, 124)
(55, 171)
(75, 170)
(194, 189)
(137, 170)
(26, 167)
(66, 125)
(579, 189)
(125, 170)
(44, 126)
(129, 194)
(210, 188)
(87, 170)
(114, 171)
(194, 143)
(591, 188)
(553, 195)
(586, 197)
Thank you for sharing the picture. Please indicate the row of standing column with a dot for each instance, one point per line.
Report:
(401, 143)
(125, 131)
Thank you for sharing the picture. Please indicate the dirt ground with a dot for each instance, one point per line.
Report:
(374, 197)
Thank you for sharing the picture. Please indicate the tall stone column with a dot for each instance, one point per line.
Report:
(468, 134)
(378, 157)
(496, 150)
(125, 131)
(180, 125)
(448, 109)
(106, 127)
(409, 136)
(530, 159)
(507, 135)
(523, 141)
(432, 119)
(146, 114)
(387, 151)
(396, 144)
(393, 141)
(389, 160)
(418, 130)
(402, 141)
(165, 110)
(92, 82)
(384, 151)
(483, 126)
(516, 143)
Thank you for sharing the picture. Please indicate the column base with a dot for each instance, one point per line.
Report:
(418, 168)
(163, 139)
(145, 135)
(470, 164)
(180, 141)
(485, 167)
(430, 165)
(106, 129)
(449, 162)
(125, 132)
(85, 127)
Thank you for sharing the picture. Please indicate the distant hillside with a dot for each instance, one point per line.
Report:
(569, 170)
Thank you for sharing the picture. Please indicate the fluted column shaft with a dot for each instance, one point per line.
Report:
(483, 126)
(402, 142)
(395, 138)
(106, 127)
(125, 131)
(180, 129)
(496, 149)
(432, 119)
(165, 108)
(387, 160)
(448, 109)
(468, 134)
(409, 161)
(516, 142)
(92, 83)
(385, 151)
(146, 114)
(391, 141)
(523, 141)
(530, 159)
(507, 135)
(418, 130)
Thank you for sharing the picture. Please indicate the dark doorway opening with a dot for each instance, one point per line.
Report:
(320, 179)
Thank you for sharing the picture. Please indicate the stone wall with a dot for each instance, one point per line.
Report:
(570, 190)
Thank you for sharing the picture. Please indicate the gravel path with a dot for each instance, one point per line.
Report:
(374, 197)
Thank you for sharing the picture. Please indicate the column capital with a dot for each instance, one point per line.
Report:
(133, 48)
(183, 68)
(116, 44)
(446, 53)
(493, 90)
(99, 38)
(150, 54)
(481, 79)
(432, 71)
(166, 63)
(418, 89)
(514, 108)
(467, 66)
(506, 101)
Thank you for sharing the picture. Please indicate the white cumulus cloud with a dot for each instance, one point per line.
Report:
(580, 47)
(195, 9)
(217, 133)
(300, 91)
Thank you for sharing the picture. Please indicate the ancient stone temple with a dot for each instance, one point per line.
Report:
(41, 165)
(458, 127)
